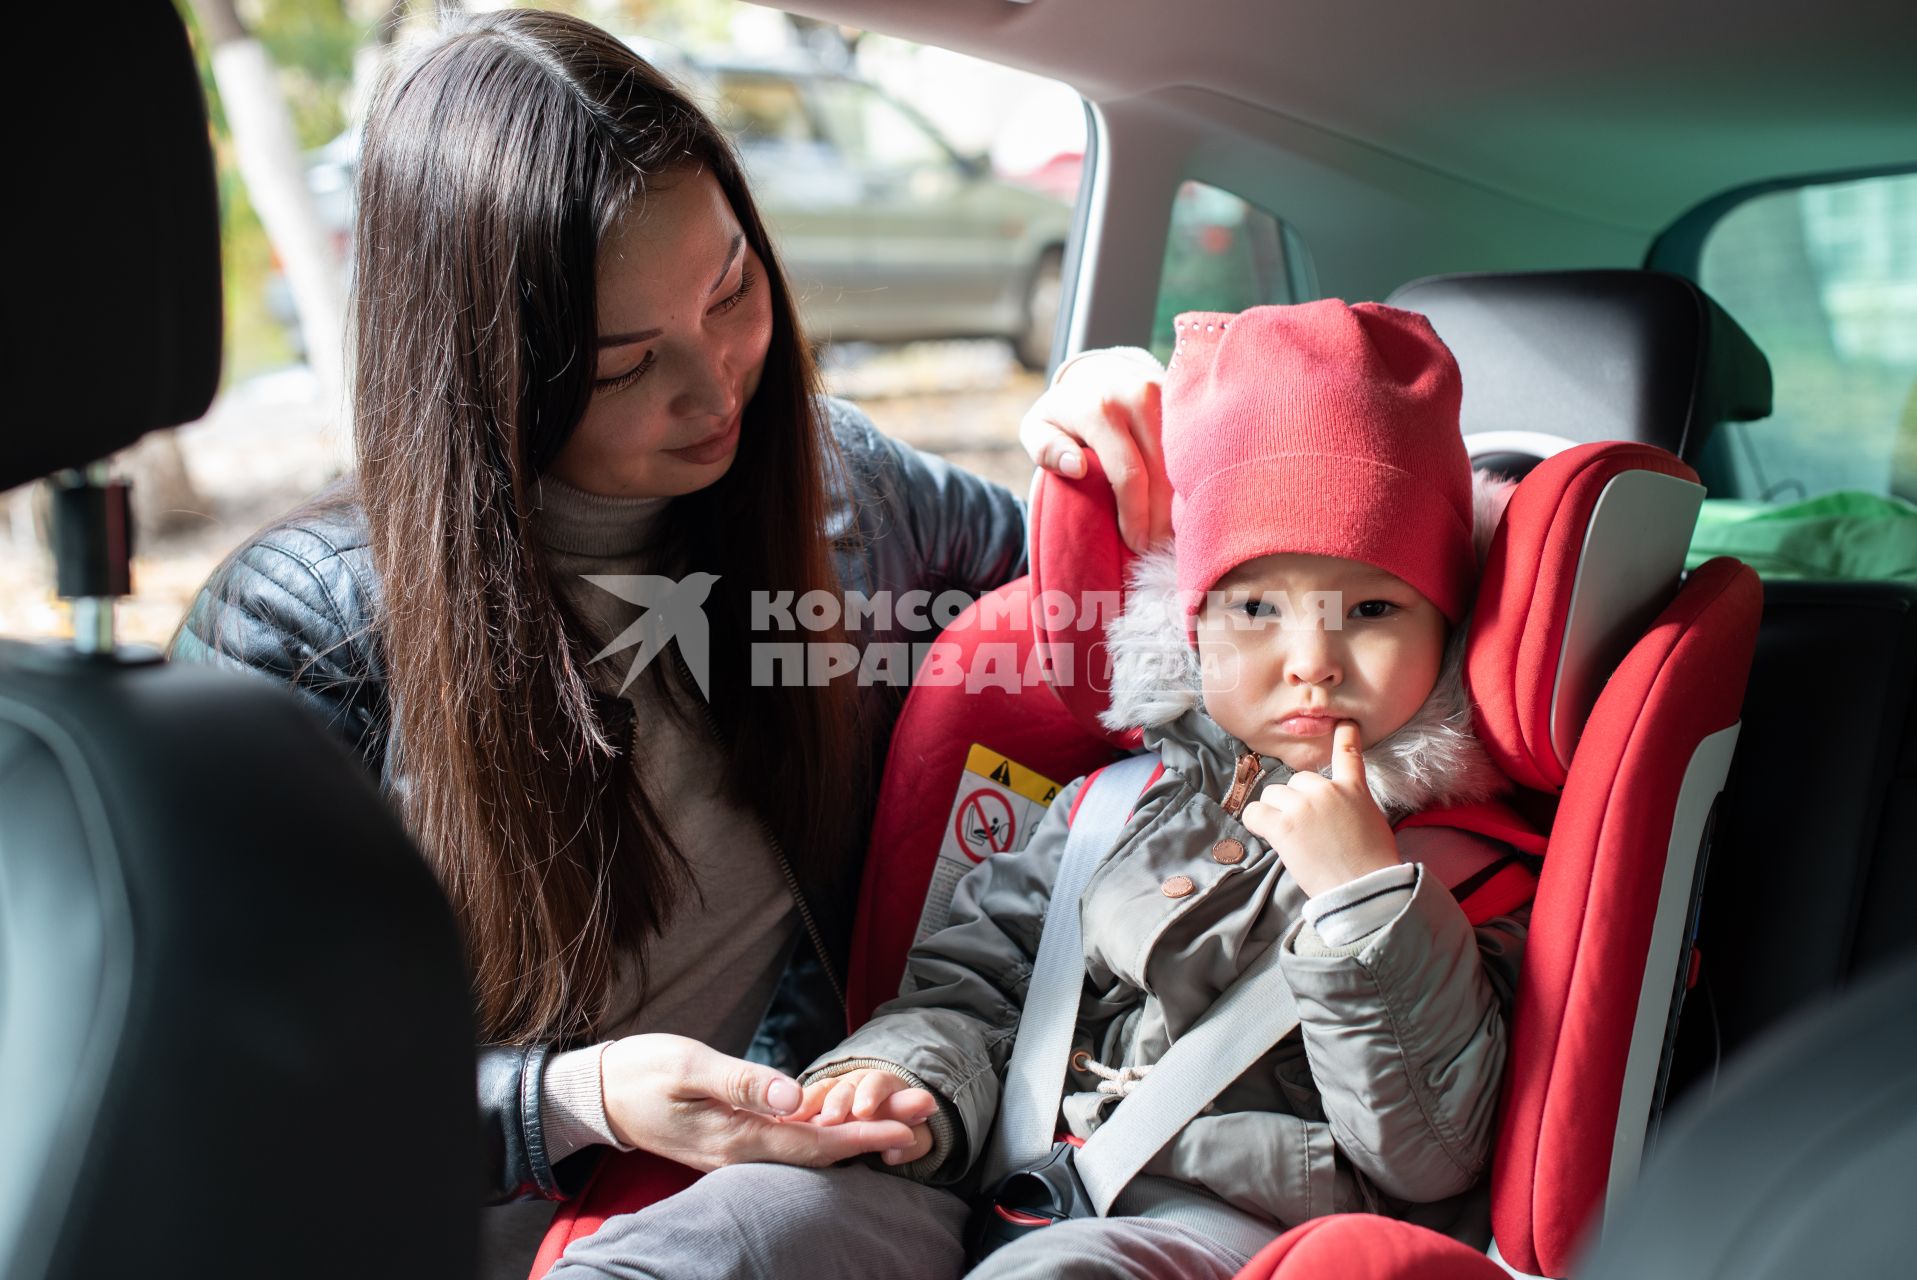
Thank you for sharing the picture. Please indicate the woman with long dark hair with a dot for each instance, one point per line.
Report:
(578, 376)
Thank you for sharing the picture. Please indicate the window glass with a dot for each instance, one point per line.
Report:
(1224, 253)
(874, 132)
(1824, 279)
(763, 110)
(785, 159)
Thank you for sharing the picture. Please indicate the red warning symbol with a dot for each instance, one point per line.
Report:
(984, 825)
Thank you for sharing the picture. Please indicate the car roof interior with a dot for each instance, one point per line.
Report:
(1568, 137)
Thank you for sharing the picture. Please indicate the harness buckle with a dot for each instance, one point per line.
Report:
(1027, 1200)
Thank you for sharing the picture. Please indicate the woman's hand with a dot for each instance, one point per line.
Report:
(677, 1098)
(1108, 402)
(872, 1094)
(1328, 831)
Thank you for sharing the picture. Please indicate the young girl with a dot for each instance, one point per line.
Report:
(1324, 560)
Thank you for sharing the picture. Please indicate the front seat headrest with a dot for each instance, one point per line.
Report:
(113, 300)
(1556, 358)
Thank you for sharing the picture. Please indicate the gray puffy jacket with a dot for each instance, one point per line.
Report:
(1383, 1099)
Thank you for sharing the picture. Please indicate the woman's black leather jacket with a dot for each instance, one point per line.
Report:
(295, 603)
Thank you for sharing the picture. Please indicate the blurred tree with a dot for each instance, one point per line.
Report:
(325, 57)
(267, 152)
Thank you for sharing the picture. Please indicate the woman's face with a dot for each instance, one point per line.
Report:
(684, 323)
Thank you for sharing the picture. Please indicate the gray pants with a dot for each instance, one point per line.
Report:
(785, 1223)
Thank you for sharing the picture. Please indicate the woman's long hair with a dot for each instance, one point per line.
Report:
(493, 166)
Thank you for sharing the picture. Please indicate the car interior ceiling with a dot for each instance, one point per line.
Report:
(1566, 111)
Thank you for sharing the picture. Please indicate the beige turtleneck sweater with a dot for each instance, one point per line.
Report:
(712, 972)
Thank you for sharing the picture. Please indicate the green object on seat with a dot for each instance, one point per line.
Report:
(1844, 535)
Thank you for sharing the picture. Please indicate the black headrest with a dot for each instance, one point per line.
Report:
(113, 291)
(1593, 355)
(220, 954)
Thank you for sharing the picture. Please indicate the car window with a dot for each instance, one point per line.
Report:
(1824, 278)
(763, 110)
(928, 285)
(874, 132)
(1224, 253)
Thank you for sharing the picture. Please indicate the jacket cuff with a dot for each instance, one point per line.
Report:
(1426, 937)
(943, 1124)
(1358, 908)
(513, 1143)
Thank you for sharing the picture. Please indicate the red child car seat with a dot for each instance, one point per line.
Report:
(1603, 968)
(1582, 573)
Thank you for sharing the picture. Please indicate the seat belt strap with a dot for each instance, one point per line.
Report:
(1035, 1079)
(1255, 1013)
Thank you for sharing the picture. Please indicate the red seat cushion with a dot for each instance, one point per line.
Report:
(624, 1182)
(1359, 1246)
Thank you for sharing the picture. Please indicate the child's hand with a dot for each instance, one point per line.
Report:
(1328, 831)
(872, 1094)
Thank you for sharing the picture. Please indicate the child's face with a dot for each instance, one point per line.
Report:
(1292, 644)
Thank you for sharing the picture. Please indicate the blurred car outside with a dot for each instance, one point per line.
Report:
(888, 232)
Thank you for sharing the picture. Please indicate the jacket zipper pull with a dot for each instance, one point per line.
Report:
(1244, 774)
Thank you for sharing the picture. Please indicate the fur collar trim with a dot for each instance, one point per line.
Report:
(1434, 759)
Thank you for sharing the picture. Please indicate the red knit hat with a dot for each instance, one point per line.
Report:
(1324, 429)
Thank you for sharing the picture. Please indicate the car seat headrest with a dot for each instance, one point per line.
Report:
(1590, 548)
(1078, 580)
(1556, 358)
(113, 310)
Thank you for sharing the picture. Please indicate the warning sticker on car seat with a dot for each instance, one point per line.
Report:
(998, 803)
